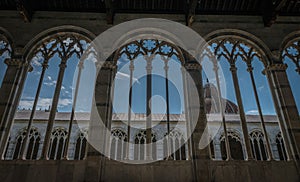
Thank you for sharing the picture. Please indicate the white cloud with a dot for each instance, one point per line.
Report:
(252, 112)
(49, 78)
(64, 102)
(51, 83)
(260, 88)
(125, 76)
(44, 103)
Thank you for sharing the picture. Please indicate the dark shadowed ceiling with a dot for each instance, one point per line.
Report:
(269, 9)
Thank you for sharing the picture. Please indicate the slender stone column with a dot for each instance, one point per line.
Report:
(187, 114)
(286, 108)
(8, 97)
(26, 139)
(131, 68)
(269, 152)
(53, 111)
(166, 68)
(149, 60)
(222, 111)
(80, 67)
(233, 69)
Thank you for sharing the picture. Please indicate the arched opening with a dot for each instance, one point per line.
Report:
(118, 145)
(258, 145)
(81, 145)
(52, 86)
(235, 146)
(237, 92)
(57, 143)
(148, 93)
(32, 147)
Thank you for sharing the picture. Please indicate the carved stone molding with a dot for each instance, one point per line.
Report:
(192, 66)
(107, 65)
(276, 67)
(13, 62)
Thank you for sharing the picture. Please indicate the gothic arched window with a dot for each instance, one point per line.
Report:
(258, 145)
(5, 52)
(177, 145)
(140, 146)
(291, 56)
(32, 147)
(80, 147)
(57, 143)
(235, 146)
(148, 83)
(235, 67)
(118, 145)
(58, 70)
(280, 147)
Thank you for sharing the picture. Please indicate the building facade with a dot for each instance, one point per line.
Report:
(255, 125)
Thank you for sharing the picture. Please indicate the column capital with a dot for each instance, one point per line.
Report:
(275, 67)
(233, 68)
(250, 68)
(192, 66)
(81, 64)
(108, 65)
(131, 66)
(63, 65)
(14, 62)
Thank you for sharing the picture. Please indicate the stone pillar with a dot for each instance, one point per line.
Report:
(286, 108)
(200, 157)
(98, 134)
(9, 95)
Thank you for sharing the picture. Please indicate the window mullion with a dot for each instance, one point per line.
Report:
(25, 145)
(55, 100)
(227, 146)
(250, 70)
(65, 152)
(131, 68)
(233, 70)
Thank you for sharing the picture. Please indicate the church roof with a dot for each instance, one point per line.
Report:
(65, 116)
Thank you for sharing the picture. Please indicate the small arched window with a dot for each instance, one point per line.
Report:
(280, 147)
(57, 143)
(140, 146)
(235, 146)
(33, 145)
(80, 147)
(118, 145)
(258, 145)
(177, 145)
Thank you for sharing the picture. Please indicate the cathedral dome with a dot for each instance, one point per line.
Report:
(212, 101)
